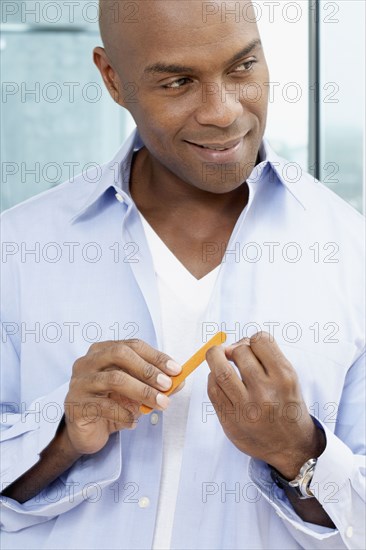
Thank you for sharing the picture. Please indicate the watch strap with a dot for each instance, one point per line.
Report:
(301, 484)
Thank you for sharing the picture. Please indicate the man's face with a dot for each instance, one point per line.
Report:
(196, 85)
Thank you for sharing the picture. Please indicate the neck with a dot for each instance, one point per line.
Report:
(153, 187)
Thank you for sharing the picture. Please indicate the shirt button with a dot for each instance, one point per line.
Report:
(119, 197)
(154, 418)
(349, 531)
(144, 502)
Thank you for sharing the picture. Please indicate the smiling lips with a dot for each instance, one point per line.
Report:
(217, 146)
(219, 153)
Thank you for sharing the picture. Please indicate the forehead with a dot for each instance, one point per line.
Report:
(182, 31)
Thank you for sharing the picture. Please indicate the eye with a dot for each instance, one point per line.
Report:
(248, 65)
(176, 84)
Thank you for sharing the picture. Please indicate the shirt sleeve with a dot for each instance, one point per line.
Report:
(339, 477)
(25, 433)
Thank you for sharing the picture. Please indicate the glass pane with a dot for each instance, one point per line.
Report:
(343, 91)
(53, 13)
(284, 31)
(57, 116)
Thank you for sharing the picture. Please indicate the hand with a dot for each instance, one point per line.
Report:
(262, 410)
(107, 387)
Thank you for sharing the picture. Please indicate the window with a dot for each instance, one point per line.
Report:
(58, 118)
(316, 54)
(342, 113)
(284, 29)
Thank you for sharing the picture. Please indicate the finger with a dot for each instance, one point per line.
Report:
(251, 370)
(161, 360)
(123, 413)
(157, 358)
(229, 349)
(102, 383)
(138, 367)
(100, 346)
(124, 357)
(125, 402)
(121, 417)
(269, 354)
(224, 374)
(217, 397)
(93, 409)
(227, 412)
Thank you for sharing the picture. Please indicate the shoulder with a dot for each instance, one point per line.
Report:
(58, 206)
(322, 208)
(53, 207)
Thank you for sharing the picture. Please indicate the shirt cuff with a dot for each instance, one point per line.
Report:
(259, 473)
(25, 439)
(87, 477)
(25, 435)
(336, 486)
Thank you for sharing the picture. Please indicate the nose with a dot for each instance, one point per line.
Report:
(220, 105)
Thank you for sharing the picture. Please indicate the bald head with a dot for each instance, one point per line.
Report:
(111, 24)
(122, 23)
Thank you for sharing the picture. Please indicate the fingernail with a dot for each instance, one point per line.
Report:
(164, 381)
(173, 367)
(245, 342)
(232, 346)
(162, 400)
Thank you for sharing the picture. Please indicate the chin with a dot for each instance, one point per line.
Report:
(219, 188)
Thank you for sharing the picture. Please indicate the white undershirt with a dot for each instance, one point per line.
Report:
(183, 302)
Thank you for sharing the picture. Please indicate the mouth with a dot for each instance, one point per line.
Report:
(217, 146)
(218, 152)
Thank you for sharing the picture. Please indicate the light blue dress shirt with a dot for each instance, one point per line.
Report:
(76, 269)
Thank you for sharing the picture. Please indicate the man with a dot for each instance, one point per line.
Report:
(210, 468)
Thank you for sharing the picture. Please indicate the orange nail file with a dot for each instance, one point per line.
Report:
(190, 365)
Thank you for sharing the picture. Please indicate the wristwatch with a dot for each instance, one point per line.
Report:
(301, 484)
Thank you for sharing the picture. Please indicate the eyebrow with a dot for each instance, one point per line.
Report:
(175, 68)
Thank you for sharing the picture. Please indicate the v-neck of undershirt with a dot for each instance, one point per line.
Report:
(169, 267)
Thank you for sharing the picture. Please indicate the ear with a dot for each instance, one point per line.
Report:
(109, 75)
